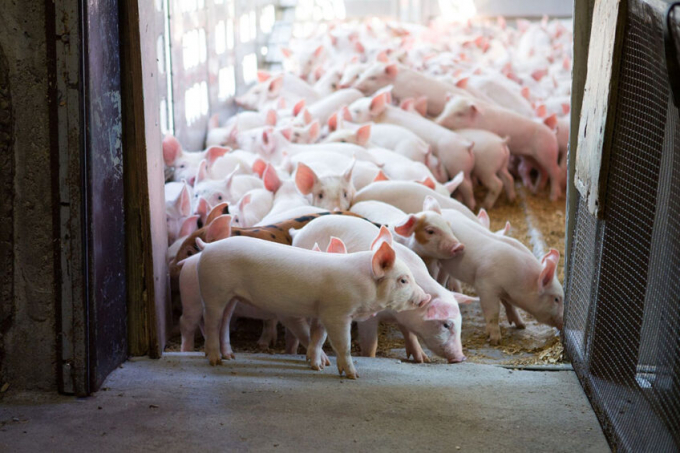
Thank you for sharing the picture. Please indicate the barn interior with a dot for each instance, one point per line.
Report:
(93, 97)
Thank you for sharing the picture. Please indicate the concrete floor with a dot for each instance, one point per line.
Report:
(275, 403)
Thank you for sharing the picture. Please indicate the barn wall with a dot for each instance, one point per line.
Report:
(27, 274)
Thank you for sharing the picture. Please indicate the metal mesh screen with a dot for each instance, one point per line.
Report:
(623, 290)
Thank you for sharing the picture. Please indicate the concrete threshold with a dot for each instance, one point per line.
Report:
(275, 403)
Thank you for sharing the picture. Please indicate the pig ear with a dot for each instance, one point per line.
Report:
(271, 179)
(318, 51)
(219, 228)
(271, 118)
(346, 115)
(381, 176)
(363, 134)
(314, 130)
(348, 173)
(216, 211)
(263, 76)
(427, 182)
(547, 273)
(526, 93)
(336, 246)
(383, 260)
(407, 227)
(463, 299)
(541, 111)
(202, 172)
(189, 225)
(215, 152)
(203, 209)
(407, 103)
(316, 247)
(359, 47)
(183, 202)
(305, 178)
(244, 201)
(431, 204)
(462, 83)
(384, 235)
(333, 122)
(452, 185)
(286, 52)
(378, 104)
(382, 57)
(552, 255)
(230, 177)
(171, 150)
(551, 122)
(391, 70)
(439, 310)
(566, 108)
(505, 230)
(287, 133)
(298, 107)
(421, 105)
(259, 167)
(483, 218)
(538, 74)
(275, 85)
(214, 121)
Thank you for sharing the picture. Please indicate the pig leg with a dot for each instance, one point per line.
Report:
(339, 333)
(314, 351)
(225, 332)
(491, 307)
(212, 315)
(508, 183)
(268, 336)
(188, 322)
(513, 315)
(495, 186)
(300, 329)
(413, 346)
(292, 342)
(467, 193)
(524, 170)
(368, 336)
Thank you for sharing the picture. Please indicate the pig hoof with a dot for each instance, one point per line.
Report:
(215, 361)
(520, 325)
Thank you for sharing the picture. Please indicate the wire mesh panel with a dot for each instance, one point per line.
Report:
(623, 313)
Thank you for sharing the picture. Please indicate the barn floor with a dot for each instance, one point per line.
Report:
(275, 403)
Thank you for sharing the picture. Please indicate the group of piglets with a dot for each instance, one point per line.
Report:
(344, 192)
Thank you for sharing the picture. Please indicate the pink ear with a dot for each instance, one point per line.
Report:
(183, 202)
(363, 134)
(551, 121)
(359, 47)
(271, 118)
(427, 182)
(271, 179)
(171, 150)
(203, 209)
(263, 76)
(538, 74)
(407, 104)
(381, 177)
(526, 93)
(298, 107)
(431, 204)
(214, 121)
(552, 255)
(378, 104)
(391, 70)
(216, 211)
(566, 108)
(421, 105)
(286, 52)
(348, 173)
(287, 133)
(547, 273)
(346, 114)
(259, 166)
(440, 310)
(541, 111)
(483, 218)
(382, 57)
(189, 225)
(383, 260)
(333, 122)
(244, 201)
(305, 178)
(318, 51)
(336, 246)
(566, 63)
(384, 235)
(314, 130)
(407, 227)
(275, 85)
(306, 116)
(202, 173)
(219, 228)
(462, 83)
(316, 247)
(463, 299)
(233, 135)
(215, 152)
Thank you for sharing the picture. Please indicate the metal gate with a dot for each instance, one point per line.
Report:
(622, 327)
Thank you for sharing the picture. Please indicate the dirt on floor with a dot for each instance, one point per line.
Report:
(536, 222)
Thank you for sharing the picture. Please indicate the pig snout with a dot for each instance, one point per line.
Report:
(457, 359)
(421, 298)
(457, 249)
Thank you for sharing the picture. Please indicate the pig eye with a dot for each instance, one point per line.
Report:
(296, 135)
(447, 325)
(557, 300)
(344, 194)
(219, 197)
(182, 166)
(430, 232)
(373, 78)
(343, 141)
(334, 85)
(320, 196)
(189, 253)
(403, 281)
